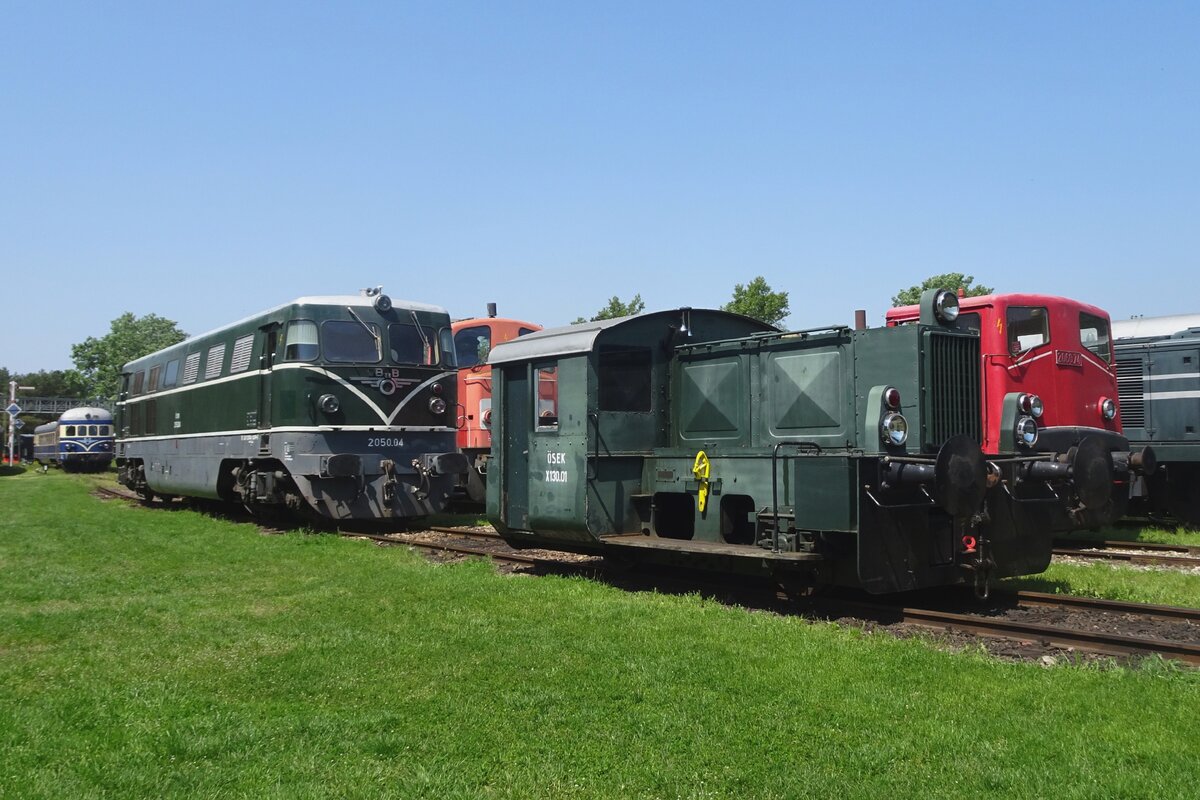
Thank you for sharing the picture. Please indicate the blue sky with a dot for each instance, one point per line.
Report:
(203, 161)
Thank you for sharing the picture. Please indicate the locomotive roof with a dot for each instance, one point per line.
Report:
(85, 414)
(356, 300)
(1008, 298)
(581, 338)
(77, 415)
(1143, 327)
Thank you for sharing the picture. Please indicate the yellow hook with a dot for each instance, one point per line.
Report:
(702, 469)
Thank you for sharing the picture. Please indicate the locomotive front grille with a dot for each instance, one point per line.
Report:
(1130, 394)
(952, 393)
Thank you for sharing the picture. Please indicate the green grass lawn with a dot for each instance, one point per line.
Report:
(148, 653)
(1147, 533)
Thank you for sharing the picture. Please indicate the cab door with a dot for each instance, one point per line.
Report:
(266, 361)
(508, 491)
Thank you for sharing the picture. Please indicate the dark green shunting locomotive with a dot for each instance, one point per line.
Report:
(827, 456)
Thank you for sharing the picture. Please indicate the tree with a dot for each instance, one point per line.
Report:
(951, 280)
(756, 300)
(616, 308)
(99, 361)
(55, 383)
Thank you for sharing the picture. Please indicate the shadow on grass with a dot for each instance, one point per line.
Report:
(8, 470)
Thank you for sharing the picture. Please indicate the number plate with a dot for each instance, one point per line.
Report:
(1068, 358)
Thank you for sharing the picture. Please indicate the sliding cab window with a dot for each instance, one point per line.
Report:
(1028, 327)
(472, 345)
(1093, 334)
(171, 375)
(300, 341)
(546, 401)
(350, 341)
(408, 345)
(624, 377)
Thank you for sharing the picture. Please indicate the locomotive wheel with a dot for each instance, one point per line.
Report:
(1183, 499)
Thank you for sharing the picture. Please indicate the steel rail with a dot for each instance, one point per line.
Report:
(448, 548)
(1151, 547)
(1097, 641)
(1144, 558)
(1111, 606)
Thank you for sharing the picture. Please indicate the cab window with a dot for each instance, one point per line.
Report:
(546, 405)
(171, 376)
(1093, 334)
(624, 377)
(968, 321)
(1028, 327)
(300, 342)
(139, 379)
(350, 341)
(406, 345)
(69, 430)
(472, 345)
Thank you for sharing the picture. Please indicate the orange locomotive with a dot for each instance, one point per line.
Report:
(473, 340)
(1049, 384)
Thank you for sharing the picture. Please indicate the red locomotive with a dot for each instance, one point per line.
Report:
(1049, 384)
(473, 340)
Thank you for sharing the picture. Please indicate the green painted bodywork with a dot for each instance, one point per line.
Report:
(734, 390)
(187, 437)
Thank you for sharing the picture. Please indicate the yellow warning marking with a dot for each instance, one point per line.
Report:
(702, 469)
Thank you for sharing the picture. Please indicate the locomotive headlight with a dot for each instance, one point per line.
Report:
(1108, 408)
(1031, 404)
(437, 406)
(945, 306)
(1027, 431)
(894, 429)
(487, 417)
(383, 303)
(329, 403)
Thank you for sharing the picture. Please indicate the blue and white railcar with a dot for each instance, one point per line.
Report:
(80, 440)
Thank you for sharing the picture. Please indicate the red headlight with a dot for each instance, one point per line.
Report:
(891, 396)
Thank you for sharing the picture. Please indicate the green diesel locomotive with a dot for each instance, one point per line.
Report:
(342, 406)
(826, 456)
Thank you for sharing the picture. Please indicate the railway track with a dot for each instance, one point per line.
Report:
(993, 622)
(1185, 648)
(1143, 553)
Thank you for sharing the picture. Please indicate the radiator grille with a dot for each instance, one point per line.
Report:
(1130, 393)
(952, 404)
